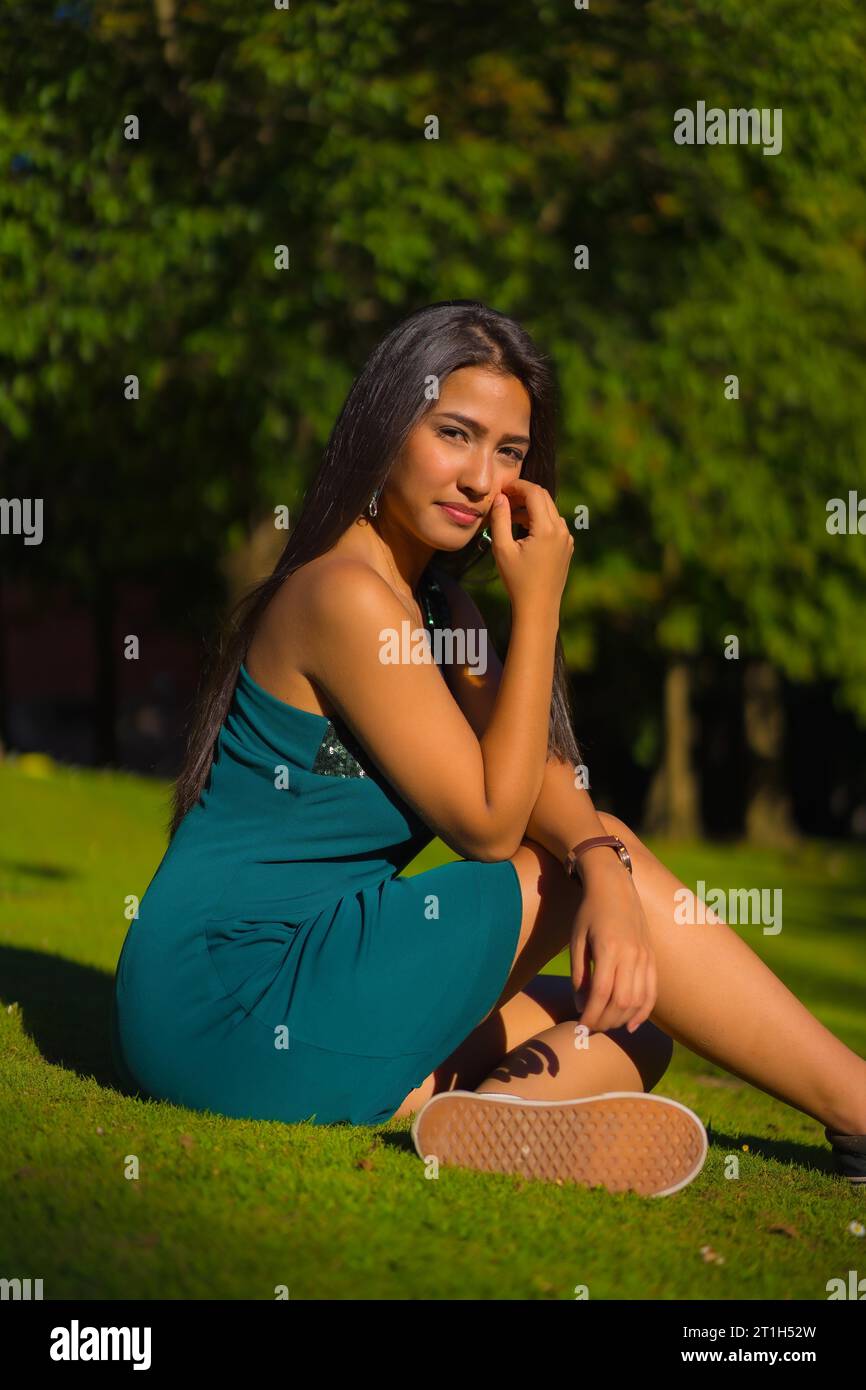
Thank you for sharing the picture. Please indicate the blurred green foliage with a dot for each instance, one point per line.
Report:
(306, 126)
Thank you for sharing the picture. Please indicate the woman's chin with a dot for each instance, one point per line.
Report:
(450, 536)
(452, 543)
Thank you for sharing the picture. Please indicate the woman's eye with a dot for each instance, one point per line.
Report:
(449, 430)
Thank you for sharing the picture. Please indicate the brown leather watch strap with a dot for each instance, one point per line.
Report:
(572, 864)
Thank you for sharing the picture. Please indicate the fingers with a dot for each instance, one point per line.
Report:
(622, 992)
(639, 995)
(500, 524)
(600, 991)
(533, 501)
(581, 965)
(651, 992)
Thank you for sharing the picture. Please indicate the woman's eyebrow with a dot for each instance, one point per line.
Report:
(481, 429)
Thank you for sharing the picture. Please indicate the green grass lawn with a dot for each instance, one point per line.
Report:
(232, 1209)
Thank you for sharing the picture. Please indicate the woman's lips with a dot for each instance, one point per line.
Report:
(461, 518)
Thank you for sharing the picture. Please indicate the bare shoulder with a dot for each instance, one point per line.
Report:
(323, 585)
(313, 609)
(331, 605)
(335, 589)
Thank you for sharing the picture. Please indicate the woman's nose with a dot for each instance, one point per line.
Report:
(477, 475)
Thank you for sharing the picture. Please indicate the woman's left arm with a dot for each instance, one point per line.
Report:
(610, 927)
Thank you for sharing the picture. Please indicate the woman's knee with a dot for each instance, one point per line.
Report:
(614, 826)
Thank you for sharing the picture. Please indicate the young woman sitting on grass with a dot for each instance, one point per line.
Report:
(282, 967)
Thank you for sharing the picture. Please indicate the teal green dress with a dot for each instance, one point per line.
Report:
(281, 967)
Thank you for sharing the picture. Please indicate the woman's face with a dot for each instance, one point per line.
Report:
(469, 444)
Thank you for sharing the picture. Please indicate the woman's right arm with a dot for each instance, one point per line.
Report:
(477, 795)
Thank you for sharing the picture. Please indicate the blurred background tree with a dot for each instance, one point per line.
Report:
(154, 258)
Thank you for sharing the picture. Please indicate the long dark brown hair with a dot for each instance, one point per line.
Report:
(386, 401)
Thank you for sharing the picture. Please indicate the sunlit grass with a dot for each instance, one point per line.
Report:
(232, 1209)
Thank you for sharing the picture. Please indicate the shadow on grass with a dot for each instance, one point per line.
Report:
(57, 872)
(66, 1010)
(809, 1157)
(812, 1157)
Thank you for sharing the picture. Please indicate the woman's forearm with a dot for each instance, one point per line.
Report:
(563, 815)
(514, 743)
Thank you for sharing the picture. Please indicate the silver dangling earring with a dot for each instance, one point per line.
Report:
(373, 505)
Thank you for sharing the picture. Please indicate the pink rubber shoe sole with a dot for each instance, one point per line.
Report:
(624, 1141)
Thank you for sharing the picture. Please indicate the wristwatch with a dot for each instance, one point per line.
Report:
(572, 864)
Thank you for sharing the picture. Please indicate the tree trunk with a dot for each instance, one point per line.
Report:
(672, 803)
(769, 816)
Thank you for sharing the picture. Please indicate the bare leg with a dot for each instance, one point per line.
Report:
(564, 1063)
(620, 1061)
(718, 998)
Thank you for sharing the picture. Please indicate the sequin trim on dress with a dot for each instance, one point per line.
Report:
(334, 758)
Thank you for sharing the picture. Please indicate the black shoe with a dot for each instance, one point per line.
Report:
(849, 1155)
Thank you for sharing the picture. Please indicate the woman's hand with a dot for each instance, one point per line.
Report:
(610, 929)
(535, 568)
